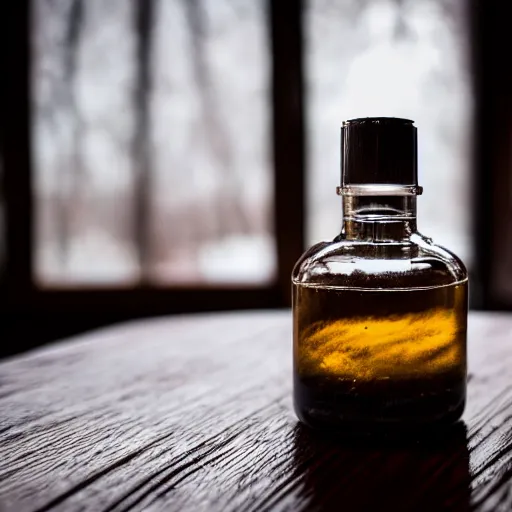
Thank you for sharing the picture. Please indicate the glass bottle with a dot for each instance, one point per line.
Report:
(380, 312)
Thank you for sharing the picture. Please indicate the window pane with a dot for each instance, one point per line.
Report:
(151, 142)
(401, 59)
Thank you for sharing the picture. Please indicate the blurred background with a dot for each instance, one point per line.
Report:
(170, 156)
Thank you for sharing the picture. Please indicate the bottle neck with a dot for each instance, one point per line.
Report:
(379, 218)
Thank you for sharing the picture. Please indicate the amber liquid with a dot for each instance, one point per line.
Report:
(369, 358)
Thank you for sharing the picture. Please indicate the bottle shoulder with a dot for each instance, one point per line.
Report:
(415, 262)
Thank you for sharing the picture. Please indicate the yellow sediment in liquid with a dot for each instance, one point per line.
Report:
(379, 348)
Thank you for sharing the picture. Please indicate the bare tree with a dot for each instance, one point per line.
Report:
(69, 197)
(230, 211)
(141, 143)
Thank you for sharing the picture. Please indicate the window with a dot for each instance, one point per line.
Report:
(401, 59)
(156, 157)
(151, 142)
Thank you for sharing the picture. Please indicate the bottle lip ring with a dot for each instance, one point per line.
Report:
(376, 189)
(377, 120)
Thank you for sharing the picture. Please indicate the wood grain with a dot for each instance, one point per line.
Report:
(194, 413)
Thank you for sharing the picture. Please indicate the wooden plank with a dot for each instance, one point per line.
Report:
(194, 413)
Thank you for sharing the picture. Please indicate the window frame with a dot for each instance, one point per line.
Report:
(22, 297)
(53, 312)
(492, 154)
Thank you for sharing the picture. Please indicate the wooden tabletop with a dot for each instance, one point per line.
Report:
(194, 413)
